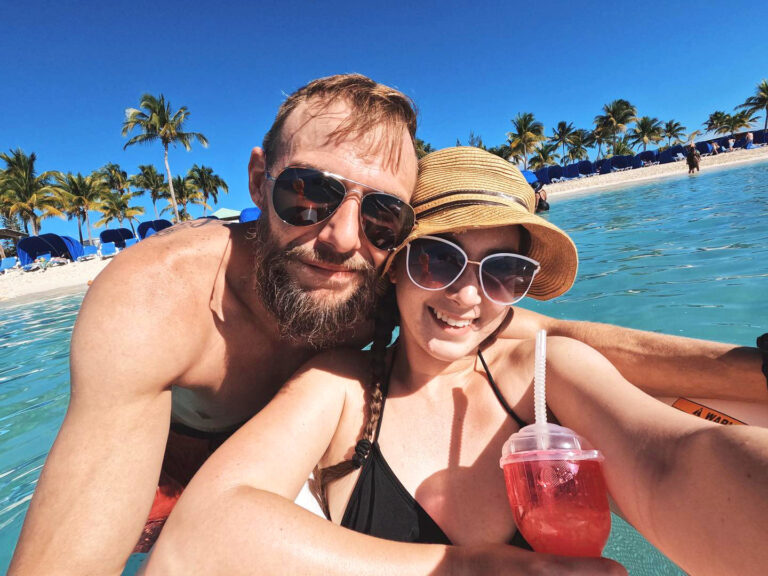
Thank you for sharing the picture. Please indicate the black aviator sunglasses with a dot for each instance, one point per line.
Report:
(307, 196)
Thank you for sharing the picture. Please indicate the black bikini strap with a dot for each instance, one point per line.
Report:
(497, 392)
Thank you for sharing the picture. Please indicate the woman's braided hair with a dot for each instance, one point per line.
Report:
(387, 318)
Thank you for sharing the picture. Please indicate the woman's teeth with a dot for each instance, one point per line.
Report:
(451, 321)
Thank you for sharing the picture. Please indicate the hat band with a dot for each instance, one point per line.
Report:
(457, 204)
(481, 192)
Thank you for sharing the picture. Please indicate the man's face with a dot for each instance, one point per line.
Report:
(319, 279)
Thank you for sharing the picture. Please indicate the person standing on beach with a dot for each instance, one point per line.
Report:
(692, 158)
(189, 334)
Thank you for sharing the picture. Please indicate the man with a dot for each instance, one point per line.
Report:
(198, 327)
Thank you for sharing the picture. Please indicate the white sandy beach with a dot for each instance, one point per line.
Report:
(16, 284)
(19, 285)
(615, 179)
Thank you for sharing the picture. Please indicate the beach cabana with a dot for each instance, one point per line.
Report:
(704, 148)
(118, 236)
(555, 173)
(226, 214)
(153, 225)
(760, 137)
(33, 246)
(529, 176)
(620, 163)
(571, 171)
(648, 156)
(604, 166)
(542, 175)
(250, 214)
(586, 168)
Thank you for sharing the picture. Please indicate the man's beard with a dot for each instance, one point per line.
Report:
(300, 316)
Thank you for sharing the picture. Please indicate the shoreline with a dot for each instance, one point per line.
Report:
(20, 287)
(603, 182)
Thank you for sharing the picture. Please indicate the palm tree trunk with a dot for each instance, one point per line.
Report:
(130, 221)
(34, 226)
(154, 205)
(88, 228)
(79, 229)
(170, 186)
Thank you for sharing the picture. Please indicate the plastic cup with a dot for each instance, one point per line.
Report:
(557, 491)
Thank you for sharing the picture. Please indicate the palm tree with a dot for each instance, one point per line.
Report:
(23, 192)
(115, 178)
(561, 135)
(80, 195)
(203, 178)
(502, 151)
(739, 120)
(114, 206)
(758, 102)
(616, 115)
(672, 129)
(150, 180)
(599, 134)
(717, 122)
(526, 133)
(156, 122)
(186, 193)
(580, 141)
(544, 155)
(645, 131)
(623, 147)
(423, 148)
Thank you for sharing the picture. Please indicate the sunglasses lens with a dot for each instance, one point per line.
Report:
(507, 278)
(433, 264)
(387, 220)
(302, 196)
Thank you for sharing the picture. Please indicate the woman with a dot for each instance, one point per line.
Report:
(411, 453)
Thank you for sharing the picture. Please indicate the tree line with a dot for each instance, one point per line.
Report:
(611, 134)
(28, 197)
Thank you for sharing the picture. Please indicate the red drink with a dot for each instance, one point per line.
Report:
(560, 506)
(556, 490)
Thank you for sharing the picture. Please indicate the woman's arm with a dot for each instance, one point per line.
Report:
(237, 515)
(660, 364)
(695, 489)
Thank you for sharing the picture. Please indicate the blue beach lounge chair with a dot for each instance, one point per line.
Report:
(8, 264)
(571, 171)
(107, 250)
(89, 253)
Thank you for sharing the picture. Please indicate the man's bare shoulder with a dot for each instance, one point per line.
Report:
(150, 306)
(173, 263)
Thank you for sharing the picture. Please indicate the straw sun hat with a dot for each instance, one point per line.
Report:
(466, 188)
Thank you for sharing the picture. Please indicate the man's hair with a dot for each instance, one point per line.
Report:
(372, 105)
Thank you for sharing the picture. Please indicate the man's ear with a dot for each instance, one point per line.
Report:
(257, 167)
(392, 272)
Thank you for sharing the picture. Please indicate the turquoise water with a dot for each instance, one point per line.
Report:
(686, 256)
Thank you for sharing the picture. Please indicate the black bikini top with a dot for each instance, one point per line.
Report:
(381, 506)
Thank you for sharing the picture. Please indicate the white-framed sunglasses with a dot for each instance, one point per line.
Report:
(435, 263)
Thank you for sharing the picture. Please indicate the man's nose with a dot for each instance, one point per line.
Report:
(342, 230)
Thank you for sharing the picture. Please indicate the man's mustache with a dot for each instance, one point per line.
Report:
(353, 263)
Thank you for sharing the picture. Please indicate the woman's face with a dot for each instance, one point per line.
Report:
(450, 324)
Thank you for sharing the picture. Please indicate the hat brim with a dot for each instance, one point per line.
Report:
(550, 246)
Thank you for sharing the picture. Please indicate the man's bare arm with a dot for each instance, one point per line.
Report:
(695, 489)
(660, 364)
(99, 480)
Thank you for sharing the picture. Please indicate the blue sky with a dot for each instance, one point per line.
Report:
(69, 69)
